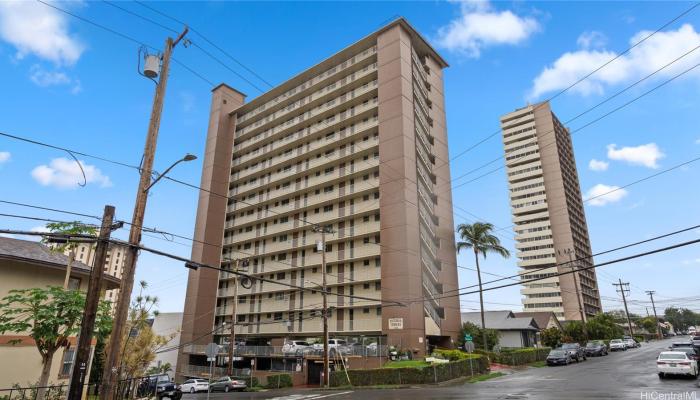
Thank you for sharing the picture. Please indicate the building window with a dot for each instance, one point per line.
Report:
(280, 276)
(240, 318)
(377, 286)
(74, 283)
(67, 366)
(279, 296)
(365, 310)
(278, 316)
(365, 285)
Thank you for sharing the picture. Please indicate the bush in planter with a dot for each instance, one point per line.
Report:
(452, 355)
(279, 381)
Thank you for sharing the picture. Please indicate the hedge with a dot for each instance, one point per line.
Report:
(279, 381)
(411, 376)
(518, 356)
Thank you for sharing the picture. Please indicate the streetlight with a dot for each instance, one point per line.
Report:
(187, 157)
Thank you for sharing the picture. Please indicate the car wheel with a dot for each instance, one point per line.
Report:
(226, 389)
(662, 375)
(191, 390)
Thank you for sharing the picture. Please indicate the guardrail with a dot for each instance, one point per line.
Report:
(280, 351)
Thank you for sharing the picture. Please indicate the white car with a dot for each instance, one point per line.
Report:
(676, 363)
(335, 346)
(194, 386)
(296, 347)
(631, 343)
(618, 344)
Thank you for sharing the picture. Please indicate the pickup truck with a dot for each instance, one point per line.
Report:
(335, 346)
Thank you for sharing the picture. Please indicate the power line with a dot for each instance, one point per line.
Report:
(605, 115)
(580, 259)
(123, 36)
(206, 40)
(490, 136)
(634, 256)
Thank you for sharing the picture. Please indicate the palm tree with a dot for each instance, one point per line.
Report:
(478, 237)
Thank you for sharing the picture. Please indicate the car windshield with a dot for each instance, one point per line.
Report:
(556, 353)
(301, 343)
(672, 356)
(615, 341)
(568, 346)
(592, 344)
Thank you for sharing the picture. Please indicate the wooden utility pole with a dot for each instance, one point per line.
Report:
(232, 337)
(623, 287)
(94, 291)
(111, 371)
(659, 335)
(574, 270)
(322, 247)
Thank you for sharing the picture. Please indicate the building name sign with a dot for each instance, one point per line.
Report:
(395, 323)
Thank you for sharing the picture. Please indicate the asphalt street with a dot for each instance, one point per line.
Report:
(622, 375)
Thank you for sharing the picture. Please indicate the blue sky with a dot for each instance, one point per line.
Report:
(69, 83)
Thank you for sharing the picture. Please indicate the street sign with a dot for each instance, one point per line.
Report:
(469, 347)
(212, 350)
(468, 338)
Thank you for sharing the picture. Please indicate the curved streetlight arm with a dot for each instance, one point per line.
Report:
(188, 157)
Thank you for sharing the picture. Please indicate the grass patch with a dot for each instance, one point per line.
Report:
(538, 364)
(406, 364)
(485, 377)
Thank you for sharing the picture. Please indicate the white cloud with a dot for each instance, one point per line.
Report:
(44, 78)
(597, 165)
(33, 28)
(592, 39)
(697, 141)
(480, 26)
(64, 173)
(5, 156)
(601, 194)
(650, 55)
(646, 155)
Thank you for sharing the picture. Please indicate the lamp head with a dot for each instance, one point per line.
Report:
(189, 157)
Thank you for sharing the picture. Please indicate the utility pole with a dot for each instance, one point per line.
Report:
(574, 270)
(322, 247)
(232, 338)
(659, 335)
(111, 371)
(94, 291)
(622, 288)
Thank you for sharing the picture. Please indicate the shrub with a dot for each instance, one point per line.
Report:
(551, 337)
(519, 356)
(477, 335)
(279, 381)
(411, 376)
(452, 355)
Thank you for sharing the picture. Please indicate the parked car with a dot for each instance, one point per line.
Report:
(685, 343)
(696, 341)
(335, 346)
(575, 350)
(226, 384)
(168, 389)
(692, 352)
(559, 357)
(596, 348)
(296, 347)
(194, 385)
(631, 343)
(676, 363)
(617, 344)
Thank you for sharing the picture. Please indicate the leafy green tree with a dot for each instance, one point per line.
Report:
(574, 332)
(72, 228)
(141, 343)
(649, 324)
(681, 318)
(49, 316)
(603, 326)
(478, 335)
(162, 369)
(478, 238)
(551, 337)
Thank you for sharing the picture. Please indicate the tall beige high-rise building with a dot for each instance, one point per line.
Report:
(550, 222)
(114, 264)
(357, 142)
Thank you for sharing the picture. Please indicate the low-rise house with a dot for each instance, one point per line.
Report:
(512, 331)
(24, 265)
(544, 319)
